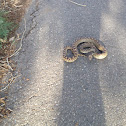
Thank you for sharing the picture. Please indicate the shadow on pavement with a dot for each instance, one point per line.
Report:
(81, 102)
(82, 93)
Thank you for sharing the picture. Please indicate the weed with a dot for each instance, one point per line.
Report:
(5, 27)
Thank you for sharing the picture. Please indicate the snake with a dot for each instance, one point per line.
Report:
(86, 45)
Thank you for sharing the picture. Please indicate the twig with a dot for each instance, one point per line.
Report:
(18, 48)
(17, 6)
(12, 79)
(20, 42)
(8, 64)
(7, 85)
(77, 3)
(16, 39)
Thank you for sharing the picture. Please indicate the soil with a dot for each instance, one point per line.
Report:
(16, 9)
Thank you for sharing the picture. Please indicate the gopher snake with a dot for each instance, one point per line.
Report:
(92, 45)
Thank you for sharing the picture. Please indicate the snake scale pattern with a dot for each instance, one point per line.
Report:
(92, 45)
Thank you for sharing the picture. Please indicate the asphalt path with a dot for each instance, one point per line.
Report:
(51, 92)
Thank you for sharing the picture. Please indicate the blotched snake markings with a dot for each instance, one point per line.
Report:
(85, 46)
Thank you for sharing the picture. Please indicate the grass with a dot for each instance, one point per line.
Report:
(5, 27)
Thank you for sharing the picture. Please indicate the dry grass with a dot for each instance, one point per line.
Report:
(15, 10)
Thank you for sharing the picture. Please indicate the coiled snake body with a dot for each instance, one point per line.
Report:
(86, 45)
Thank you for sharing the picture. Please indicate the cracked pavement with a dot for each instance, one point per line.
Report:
(51, 92)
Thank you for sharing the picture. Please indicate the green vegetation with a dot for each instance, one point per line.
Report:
(5, 27)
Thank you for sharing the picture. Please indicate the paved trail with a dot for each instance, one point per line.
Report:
(51, 92)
